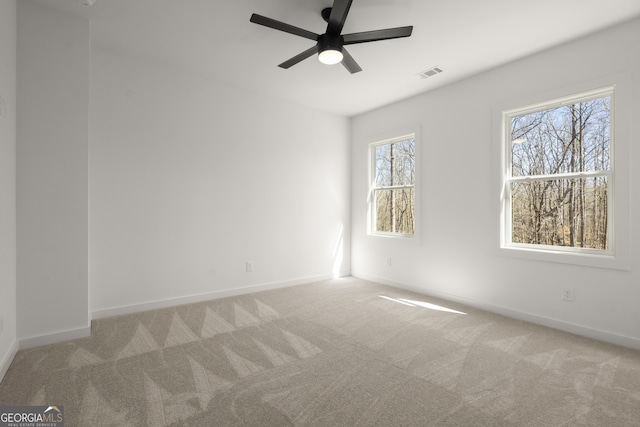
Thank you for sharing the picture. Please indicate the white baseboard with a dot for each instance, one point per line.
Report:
(57, 337)
(53, 338)
(612, 338)
(153, 305)
(7, 359)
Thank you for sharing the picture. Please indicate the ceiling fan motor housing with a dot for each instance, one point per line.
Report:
(330, 42)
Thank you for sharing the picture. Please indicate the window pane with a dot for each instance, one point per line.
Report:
(570, 138)
(394, 210)
(565, 212)
(404, 157)
(383, 165)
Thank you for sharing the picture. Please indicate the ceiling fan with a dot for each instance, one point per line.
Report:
(330, 45)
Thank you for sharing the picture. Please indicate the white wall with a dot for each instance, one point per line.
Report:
(455, 253)
(8, 32)
(52, 196)
(190, 178)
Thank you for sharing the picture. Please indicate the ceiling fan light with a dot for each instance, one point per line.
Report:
(330, 56)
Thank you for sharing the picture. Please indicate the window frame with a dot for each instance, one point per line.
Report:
(619, 257)
(373, 188)
(507, 231)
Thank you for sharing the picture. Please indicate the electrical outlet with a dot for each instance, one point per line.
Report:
(568, 294)
(249, 266)
(387, 261)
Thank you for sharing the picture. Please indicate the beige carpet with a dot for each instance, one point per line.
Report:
(337, 353)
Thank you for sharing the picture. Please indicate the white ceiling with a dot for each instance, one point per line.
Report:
(214, 39)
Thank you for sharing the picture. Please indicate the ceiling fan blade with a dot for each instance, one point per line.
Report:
(349, 63)
(299, 57)
(277, 25)
(338, 16)
(372, 36)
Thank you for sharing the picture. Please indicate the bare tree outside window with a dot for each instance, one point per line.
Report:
(559, 174)
(393, 186)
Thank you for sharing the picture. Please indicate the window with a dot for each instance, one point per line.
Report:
(392, 186)
(558, 183)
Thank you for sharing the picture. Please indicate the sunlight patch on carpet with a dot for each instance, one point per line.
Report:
(414, 303)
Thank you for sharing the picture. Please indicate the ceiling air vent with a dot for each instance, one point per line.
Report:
(429, 73)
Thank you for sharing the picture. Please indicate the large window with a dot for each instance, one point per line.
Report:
(392, 186)
(558, 185)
